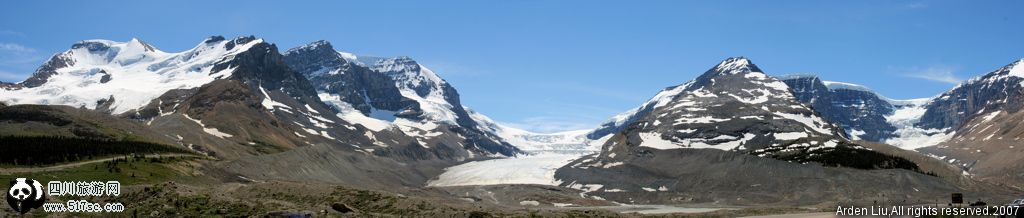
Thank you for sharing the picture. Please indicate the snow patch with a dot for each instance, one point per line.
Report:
(789, 135)
(210, 130)
(654, 140)
(855, 134)
(529, 203)
(269, 103)
(349, 113)
(813, 122)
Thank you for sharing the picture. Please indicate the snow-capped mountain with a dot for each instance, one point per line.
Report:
(975, 125)
(915, 123)
(993, 93)
(619, 122)
(733, 134)
(394, 95)
(195, 97)
(122, 76)
(981, 120)
(198, 96)
(735, 107)
(860, 111)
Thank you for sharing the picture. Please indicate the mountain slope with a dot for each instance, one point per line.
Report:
(736, 135)
(974, 126)
(69, 122)
(864, 114)
(999, 90)
(122, 76)
(916, 123)
(395, 96)
(239, 100)
(860, 111)
(983, 118)
(735, 107)
(198, 96)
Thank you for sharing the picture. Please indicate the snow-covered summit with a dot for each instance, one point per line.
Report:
(736, 65)
(1013, 69)
(741, 66)
(123, 76)
(318, 44)
(732, 106)
(999, 90)
(385, 94)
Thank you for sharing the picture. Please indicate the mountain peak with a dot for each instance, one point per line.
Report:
(102, 45)
(132, 73)
(735, 70)
(401, 60)
(316, 46)
(320, 43)
(93, 45)
(1016, 68)
(214, 38)
(138, 43)
(244, 40)
(395, 64)
(736, 65)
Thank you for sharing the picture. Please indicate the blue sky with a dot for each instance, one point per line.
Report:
(560, 65)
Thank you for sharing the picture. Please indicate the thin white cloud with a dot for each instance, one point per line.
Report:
(16, 56)
(16, 48)
(943, 74)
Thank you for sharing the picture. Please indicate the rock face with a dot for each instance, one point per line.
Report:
(866, 115)
(916, 123)
(59, 61)
(9, 86)
(999, 90)
(704, 140)
(861, 112)
(983, 118)
(974, 126)
(395, 94)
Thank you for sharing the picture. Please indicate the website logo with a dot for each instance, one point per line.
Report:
(25, 195)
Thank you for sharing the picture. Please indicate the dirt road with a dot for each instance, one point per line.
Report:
(7, 171)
